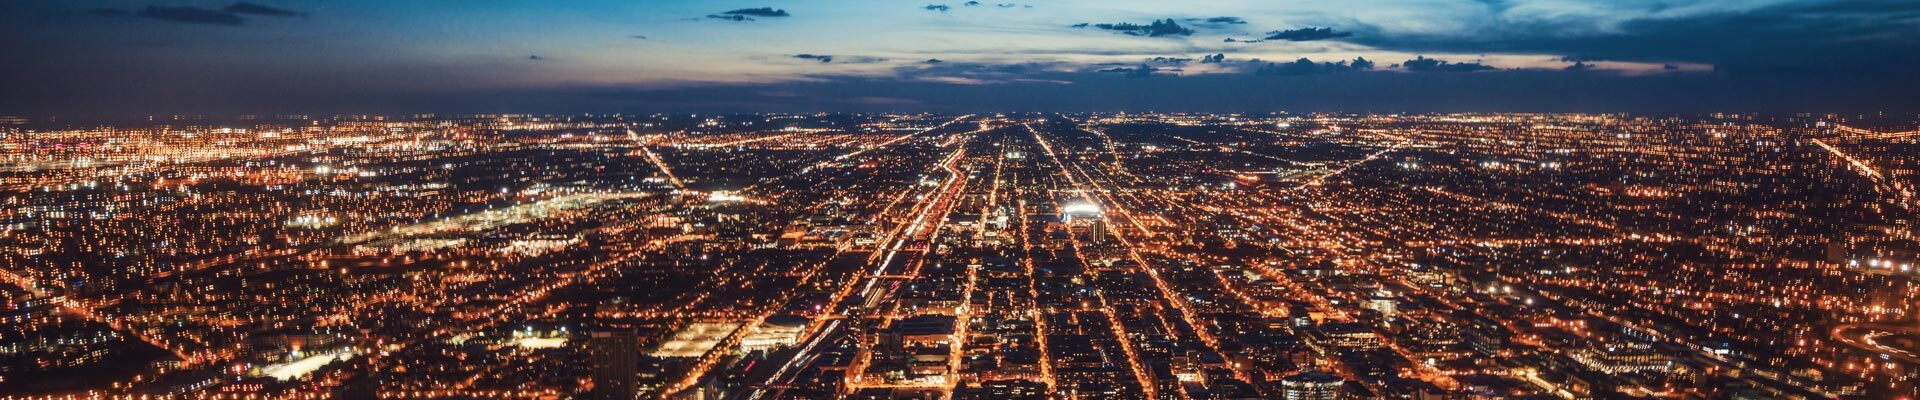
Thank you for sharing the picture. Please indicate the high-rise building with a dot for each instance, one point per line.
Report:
(616, 360)
(1311, 385)
(1382, 301)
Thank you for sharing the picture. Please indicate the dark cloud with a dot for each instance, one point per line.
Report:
(1307, 34)
(1045, 87)
(1223, 20)
(1361, 63)
(256, 9)
(1005, 5)
(536, 57)
(231, 15)
(1048, 86)
(1216, 58)
(971, 3)
(1801, 55)
(641, 37)
(759, 12)
(934, 61)
(1305, 66)
(1165, 27)
(938, 7)
(191, 15)
(1232, 40)
(979, 71)
(1424, 64)
(734, 18)
(826, 58)
(1811, 39)
(1142, 71)
(1579, 66)
(1169, 60)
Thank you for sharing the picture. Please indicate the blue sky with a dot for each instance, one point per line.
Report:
(265, 56)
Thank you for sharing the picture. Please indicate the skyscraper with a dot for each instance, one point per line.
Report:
(616, 357)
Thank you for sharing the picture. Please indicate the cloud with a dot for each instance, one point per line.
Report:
(1307, 34)
(1216, 58)
(1774, 40)
(747, 14)
(191, 15)
(938, 7)
(957, 80)
(1579, 66)
(1361, 63)
(1142, 71)
(231, 15)
(759, 12)
(256, 9)
(1305, 66)
(1424, 64)
(536, 58)
(971, 73)
(971, 3)
(1169, 60)
(934, 61)
(641, 37)
(1223, 20)
(1159, 28)
(827, 58)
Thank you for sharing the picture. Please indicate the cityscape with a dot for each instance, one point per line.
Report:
(968, 256)
(960, 200)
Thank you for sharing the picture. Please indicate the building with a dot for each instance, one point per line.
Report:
(1311, 385)
(776, 332)
(1384, 302)
(1614, 359)
(615, 356)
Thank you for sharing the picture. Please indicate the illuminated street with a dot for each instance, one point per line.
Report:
(1098, 256)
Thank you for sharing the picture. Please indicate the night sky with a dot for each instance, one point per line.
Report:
(114, 58)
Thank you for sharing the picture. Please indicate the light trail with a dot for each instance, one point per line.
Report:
(86, 312)
(1863, 134)
(646, 150)
(891, 245)
(961, 320)
(1033, 295)
(890, 142)
(1904, 195)
(749, 140)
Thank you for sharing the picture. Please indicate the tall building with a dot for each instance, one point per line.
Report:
(616, 360)
(1311, 385)
(1382, 301)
